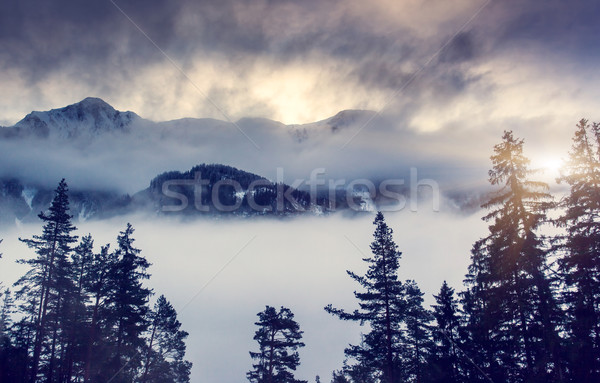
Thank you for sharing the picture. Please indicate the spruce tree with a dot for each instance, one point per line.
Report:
(127, 311)
(72, 360)
(279, 338)
(580, 260)
(6, 308)
(339, 377)
(13, 357)
(512, 311)
(418, 335)
(393, 312)
(164, 357)
(444, 362)
(47, 286)
(98, 287)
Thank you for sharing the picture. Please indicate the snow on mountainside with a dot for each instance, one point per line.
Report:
(108, 156)
(88, 118)
(342, 120)
(93, 117)
(347, 118)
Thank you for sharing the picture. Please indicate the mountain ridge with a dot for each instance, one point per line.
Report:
(87, 118)
(93, 117)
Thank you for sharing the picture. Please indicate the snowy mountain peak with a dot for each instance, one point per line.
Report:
(88, 118)
(342, 120)
(90, 103)
(347, 118)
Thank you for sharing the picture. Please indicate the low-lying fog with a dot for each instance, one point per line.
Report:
(219, 274)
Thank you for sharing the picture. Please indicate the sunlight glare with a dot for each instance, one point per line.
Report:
(548, 164)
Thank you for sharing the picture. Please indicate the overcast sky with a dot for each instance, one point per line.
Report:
(504, 63)
(448, 77)
(452, 74)
(218, 275)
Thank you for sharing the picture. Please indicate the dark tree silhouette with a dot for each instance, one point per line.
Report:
(418, 335)
(127, 311)
(98, 288)
(445, 360)
(84, 316)
(163, 361)
(394, 314)
(339, 377)
(278, 338)
(513, 315)
(580, 261)
(47, 286)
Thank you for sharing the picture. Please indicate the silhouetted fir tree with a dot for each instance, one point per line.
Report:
(6, 307)
(5, 342)
(84, 316)
(164, 356)
(47, 284)
(82, 258)
(445, 361)
(127, 312)
(18, 357)
(98, 287)
(418, 335)
(13, 358)
(361, 372)
(279, 338)
(76, 318)
(510, 303)
(339, 377)
(5, 310)
(386, 306)
(580, 263)
(478, 322)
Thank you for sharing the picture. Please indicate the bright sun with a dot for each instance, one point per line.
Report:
(548, 164)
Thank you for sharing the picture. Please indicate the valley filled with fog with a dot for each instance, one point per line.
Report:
(219, 274)
(252, 144)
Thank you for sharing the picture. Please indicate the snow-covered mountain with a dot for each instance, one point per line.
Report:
(109, 156)
(343, 120)
(93, 117)
(88, 118)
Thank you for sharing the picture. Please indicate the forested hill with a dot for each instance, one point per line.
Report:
(217, 190)
(221, 189)
(527, 312)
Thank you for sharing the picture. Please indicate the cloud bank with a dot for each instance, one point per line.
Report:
(299, 62)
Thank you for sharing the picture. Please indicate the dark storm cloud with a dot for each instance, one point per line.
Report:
(366, 50)
(558, 23)
(461, 48)
(569, 28)
(42, 37)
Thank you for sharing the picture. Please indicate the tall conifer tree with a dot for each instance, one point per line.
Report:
(445, 361)
(512, 311)
(394, 314)
(580, 262)
(278, 338)
(47, 285)
(164, 357)
(127, 311)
